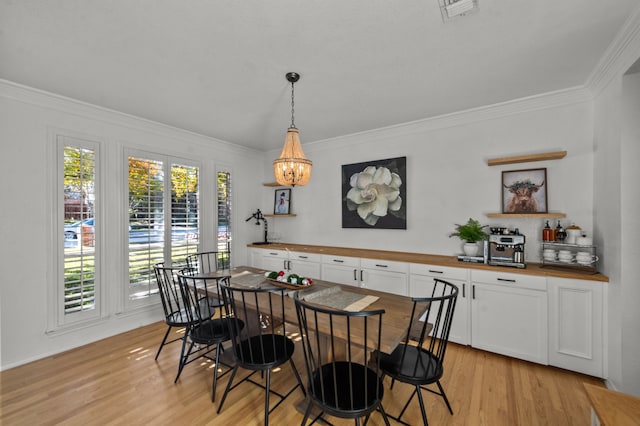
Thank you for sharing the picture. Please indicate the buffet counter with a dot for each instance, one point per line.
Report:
(431, 259)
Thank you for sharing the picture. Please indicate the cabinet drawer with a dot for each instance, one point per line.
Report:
(444, 272)
(510, 280)
(384, 265)
(341, 260)
(308, 257)
(281, 254)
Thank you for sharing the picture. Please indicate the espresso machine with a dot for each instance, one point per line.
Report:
(506, 248)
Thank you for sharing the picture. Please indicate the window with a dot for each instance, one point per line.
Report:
(146, 224)
(78, 288)
(163, 217)
(224, 211)
(184, 212)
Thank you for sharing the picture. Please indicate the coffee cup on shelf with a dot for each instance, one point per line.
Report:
(584, 241)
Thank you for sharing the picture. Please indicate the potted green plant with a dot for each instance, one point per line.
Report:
(471, 232)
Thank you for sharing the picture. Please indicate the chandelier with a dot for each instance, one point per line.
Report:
(292, 167)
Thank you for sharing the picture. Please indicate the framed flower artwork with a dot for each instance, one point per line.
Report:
(374, 194)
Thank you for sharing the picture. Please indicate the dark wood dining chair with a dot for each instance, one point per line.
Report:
(208, 261)
(206, 333)
(175, 313)
(342, 382)
(262, 344)
(418, 361)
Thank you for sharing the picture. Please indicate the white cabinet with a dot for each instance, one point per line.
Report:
(304, 264)
(509, 314)
(380, 275)
(255, 257)
(274, 260)
(421, 285)
(341, 269)
(556, 321)
(576, 310)
(385, 275)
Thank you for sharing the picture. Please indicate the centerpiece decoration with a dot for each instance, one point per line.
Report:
(291, 281)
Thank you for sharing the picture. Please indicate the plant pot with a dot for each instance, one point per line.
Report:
(470, 249)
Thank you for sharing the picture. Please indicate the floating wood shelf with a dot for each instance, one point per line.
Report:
(281, 215)
(528, 215)
(275, 185)
(527, 158)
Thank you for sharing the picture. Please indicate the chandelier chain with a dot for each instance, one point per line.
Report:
(292, 121)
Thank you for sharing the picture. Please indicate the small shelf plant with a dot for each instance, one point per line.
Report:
(471, 233)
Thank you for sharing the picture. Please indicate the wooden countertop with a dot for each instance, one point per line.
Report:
(431, 259)
(613, 408)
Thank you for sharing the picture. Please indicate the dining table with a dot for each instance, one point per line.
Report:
(397, 308)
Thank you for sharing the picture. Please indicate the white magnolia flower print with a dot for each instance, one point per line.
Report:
(374, 192)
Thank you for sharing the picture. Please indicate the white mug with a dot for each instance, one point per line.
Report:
(584, 241)
(586, 260)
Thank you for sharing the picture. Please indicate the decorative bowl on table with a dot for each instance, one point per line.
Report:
(291, 281)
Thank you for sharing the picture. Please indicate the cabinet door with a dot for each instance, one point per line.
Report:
(341, 274)
(305, 264)
(422, 286)
(576, 325)
(341, 269)
(509, 320)
(385, 275)
(255, 257)
(275, 260)
(387, 281)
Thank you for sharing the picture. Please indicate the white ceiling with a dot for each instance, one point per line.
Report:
(217, 67)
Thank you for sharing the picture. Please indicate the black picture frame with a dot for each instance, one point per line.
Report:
(282, 201)
(524, 191)
(353, 209)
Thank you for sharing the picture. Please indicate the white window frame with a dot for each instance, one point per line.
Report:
(57, 318)
(231, 220)
(167, 161)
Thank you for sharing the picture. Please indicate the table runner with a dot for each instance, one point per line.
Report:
(335, 297)
(248, 279)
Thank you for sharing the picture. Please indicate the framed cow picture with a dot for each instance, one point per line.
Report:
(524, 191)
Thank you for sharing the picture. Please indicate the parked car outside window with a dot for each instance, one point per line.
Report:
(72, 231)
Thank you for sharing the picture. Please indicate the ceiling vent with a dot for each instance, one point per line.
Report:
(451, 9)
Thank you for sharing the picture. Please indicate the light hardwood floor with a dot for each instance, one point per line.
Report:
(117, 382)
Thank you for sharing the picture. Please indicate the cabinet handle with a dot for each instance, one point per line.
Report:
(506, 280)
(436, 272)
(273, 254)
(303, 257)
(361, 271)
(355, 275)
(464, 285)
(338, 261)
(473, 291)
(381, 266)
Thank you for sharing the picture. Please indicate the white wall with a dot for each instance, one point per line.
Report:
(27, 118)
(630, 232)
(607, 196)
(616, 196)
(448, 179)
(617, 152)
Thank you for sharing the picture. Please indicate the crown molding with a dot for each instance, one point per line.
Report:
(621, 54)
(52, 101)
(542, 101)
